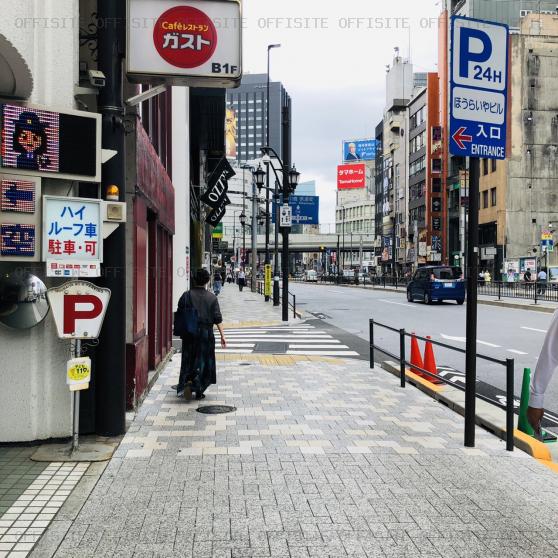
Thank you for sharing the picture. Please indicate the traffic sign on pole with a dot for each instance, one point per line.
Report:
(479, 88)
(478, 120)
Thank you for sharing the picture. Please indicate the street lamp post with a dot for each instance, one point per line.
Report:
(276, 287)
(267, 224)
(243, 224)
(288, 184)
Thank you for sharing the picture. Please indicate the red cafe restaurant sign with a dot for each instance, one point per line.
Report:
(196, 43)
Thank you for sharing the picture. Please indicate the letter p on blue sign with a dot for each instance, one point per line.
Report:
(479, 54)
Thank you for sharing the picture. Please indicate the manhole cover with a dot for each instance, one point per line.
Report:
(271, 348)
(216, 409)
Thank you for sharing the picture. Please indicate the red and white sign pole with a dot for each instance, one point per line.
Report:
(78, 308)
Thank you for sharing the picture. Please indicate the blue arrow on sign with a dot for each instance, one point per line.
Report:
(14, 195)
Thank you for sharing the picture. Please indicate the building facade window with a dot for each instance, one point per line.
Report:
(485, 166)
(493, 163)
(485, 198)
(493, 197)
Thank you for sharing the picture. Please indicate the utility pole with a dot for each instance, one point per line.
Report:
(110, 361)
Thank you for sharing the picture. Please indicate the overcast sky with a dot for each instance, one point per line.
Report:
(334, 69)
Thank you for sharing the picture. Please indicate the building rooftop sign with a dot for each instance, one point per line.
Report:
(179, 42)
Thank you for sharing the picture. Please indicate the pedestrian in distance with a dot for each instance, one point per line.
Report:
(541, 281)
(546, 367)
(198, 312)
(241, 280)
(229, 278)
(217, 284)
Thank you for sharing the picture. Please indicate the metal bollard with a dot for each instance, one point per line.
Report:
(402, 365)
(371, 336)
(510, 410)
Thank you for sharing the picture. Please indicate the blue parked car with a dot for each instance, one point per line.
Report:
(436, 284)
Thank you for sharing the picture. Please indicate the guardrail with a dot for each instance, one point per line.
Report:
(260, 290)
(508, 363)
(528, 290)
(535, 291)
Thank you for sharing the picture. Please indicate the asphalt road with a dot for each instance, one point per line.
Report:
(502, 332)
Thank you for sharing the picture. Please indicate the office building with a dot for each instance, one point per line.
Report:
(247, 115)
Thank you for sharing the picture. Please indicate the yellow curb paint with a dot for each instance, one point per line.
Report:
(429, 385)
(537, 449)
(552, 466)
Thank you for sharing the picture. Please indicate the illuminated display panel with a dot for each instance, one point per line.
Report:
(41, 141)
(17, 240)
(17, 195)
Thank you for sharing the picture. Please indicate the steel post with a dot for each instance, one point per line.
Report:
(471, 325)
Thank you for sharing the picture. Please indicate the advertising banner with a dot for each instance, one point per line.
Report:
(185, 42)
(231, 133)
(351, 176)
(44, 143)
(218, 184)
(359, 150)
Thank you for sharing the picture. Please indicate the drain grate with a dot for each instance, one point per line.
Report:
(216, 409)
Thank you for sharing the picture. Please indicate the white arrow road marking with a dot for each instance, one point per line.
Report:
(488, 344)
(450, 338)
(517, 352)
(464, 340)
(534, 329)
(398, 303)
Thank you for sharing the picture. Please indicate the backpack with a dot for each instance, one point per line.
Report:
(186, 319)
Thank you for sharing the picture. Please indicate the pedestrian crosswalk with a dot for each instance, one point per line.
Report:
(289, 340)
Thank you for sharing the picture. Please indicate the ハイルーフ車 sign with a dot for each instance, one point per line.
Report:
(479, 88)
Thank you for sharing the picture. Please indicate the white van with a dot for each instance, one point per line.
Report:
(311, 276)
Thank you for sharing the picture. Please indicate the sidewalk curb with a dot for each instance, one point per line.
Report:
(514, 306)
(488, 416)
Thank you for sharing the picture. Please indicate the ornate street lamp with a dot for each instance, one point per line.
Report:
(259, 177)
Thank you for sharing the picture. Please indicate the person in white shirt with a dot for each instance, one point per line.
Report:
(541, 282)
(546, 367)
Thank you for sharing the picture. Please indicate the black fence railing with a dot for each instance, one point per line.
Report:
(361, 280)
(537, 291)
(508, 363)
(260, 287)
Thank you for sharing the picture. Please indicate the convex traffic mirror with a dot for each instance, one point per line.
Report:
(23, 300)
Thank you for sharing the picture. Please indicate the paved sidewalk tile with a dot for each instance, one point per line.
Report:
(340, 462)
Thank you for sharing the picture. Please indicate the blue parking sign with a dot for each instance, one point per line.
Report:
(479, 88)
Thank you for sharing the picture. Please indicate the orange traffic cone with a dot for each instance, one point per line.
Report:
(430, 362)
(416, 358)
